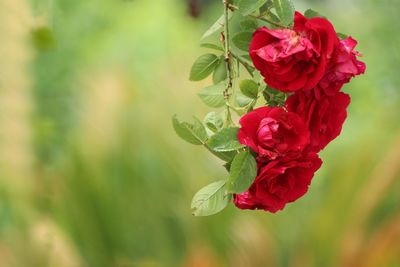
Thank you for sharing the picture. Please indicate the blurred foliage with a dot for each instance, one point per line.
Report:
(92, 173)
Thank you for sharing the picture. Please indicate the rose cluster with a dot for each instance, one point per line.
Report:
(312, 63)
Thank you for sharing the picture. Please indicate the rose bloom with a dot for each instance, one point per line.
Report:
(343, 66)
(323, 114)
(278, 183)
(273, 133)
(291, 60)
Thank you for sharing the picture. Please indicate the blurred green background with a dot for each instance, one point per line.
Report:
(92, 174)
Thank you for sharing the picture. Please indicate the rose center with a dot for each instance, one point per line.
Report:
(294, 39)
(268, 133)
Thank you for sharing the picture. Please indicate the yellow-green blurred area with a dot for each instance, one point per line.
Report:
(92, 173)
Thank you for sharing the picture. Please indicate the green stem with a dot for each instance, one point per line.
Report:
(227, 57)
(248, 67)
(269, 21)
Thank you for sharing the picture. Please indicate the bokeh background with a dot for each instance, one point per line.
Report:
(92, 174)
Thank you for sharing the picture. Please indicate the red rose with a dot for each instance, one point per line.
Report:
(278, 183)
(291, 60)
(273, 133)
(323, 114)
(344, 66)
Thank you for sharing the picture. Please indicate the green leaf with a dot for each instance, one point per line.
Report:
(220, 72)
(243, 171)
(285, 11)
(246, 7)
(249, 25)
(203, 67)
(225, 156)
(274, 98)
(342, 36)
(214, 121)
(217, 25)
(213, 96)
(247, 58)
(266, 7)
(242, 100)
(227, 166)
(242, 40)
(225, 140)
(210, 199)
(249, 88)
(193, 133)
(310, 13)
(212, 46)
(273, 17)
